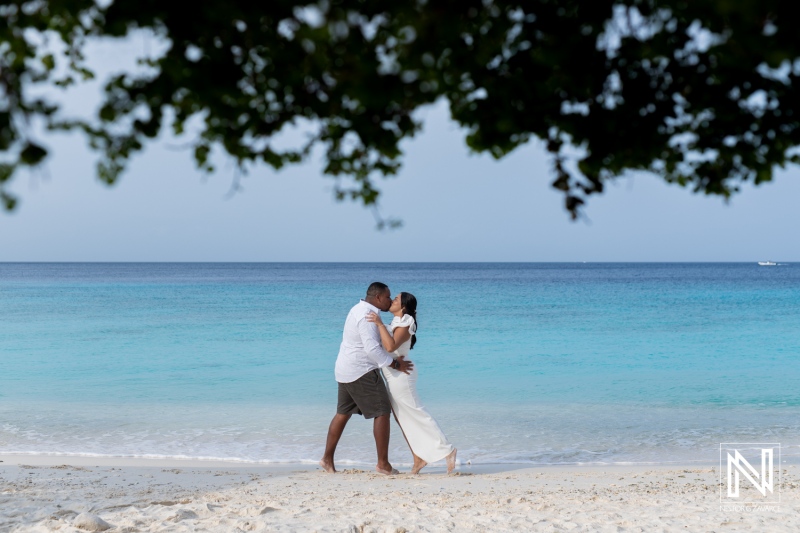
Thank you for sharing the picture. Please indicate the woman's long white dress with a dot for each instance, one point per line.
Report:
(422, 432)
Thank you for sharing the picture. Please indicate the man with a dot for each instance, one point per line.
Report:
(361, 387)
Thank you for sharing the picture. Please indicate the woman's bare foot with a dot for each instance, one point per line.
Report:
(327, 466)
(451, 461)
(419, 464)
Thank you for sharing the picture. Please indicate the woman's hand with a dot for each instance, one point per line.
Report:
(374, 318)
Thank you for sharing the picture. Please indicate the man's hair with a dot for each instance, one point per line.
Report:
(376, 289)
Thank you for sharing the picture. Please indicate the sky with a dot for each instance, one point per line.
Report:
(455, 206)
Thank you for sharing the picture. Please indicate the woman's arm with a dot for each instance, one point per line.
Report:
(390, 343)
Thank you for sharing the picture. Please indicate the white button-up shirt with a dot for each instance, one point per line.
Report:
(361, 350)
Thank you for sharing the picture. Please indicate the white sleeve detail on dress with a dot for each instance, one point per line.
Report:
(407, 322)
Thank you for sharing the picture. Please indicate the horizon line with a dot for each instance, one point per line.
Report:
(388, 262)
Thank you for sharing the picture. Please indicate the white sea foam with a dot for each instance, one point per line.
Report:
(296, 435)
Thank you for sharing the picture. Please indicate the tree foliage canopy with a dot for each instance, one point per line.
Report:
(704, 93)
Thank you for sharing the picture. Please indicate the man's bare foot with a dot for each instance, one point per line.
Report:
(327, 466)
(419, 464)
(451, 461)
(386, 470)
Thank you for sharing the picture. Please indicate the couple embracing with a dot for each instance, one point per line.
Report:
(369, 354)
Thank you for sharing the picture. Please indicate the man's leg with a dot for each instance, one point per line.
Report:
(380, 429)
(335, 431)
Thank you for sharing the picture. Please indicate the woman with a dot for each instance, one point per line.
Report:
(427, 442)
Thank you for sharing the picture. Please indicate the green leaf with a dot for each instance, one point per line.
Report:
(32, 154)
(49, 62)
(6, 171)
(9, 202)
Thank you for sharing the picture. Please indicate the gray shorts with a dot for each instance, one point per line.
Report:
(365, 396)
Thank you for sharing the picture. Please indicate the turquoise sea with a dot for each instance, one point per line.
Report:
(534, 363)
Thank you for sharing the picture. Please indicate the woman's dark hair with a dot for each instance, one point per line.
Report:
(409, 303)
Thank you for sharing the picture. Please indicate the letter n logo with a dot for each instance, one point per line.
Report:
(740, 458)
(738, 464)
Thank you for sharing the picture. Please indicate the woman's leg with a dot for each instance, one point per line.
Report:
(419, 464)
(451, 461)
(391, 385)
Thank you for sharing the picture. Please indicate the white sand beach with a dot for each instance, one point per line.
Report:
(76, 494)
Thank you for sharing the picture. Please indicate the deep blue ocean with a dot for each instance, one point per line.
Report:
(536, 363)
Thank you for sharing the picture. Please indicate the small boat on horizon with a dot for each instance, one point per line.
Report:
(767, 264)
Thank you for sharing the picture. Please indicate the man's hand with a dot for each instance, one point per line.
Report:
(403, 365)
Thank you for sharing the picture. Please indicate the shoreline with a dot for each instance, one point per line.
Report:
(57, 459)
